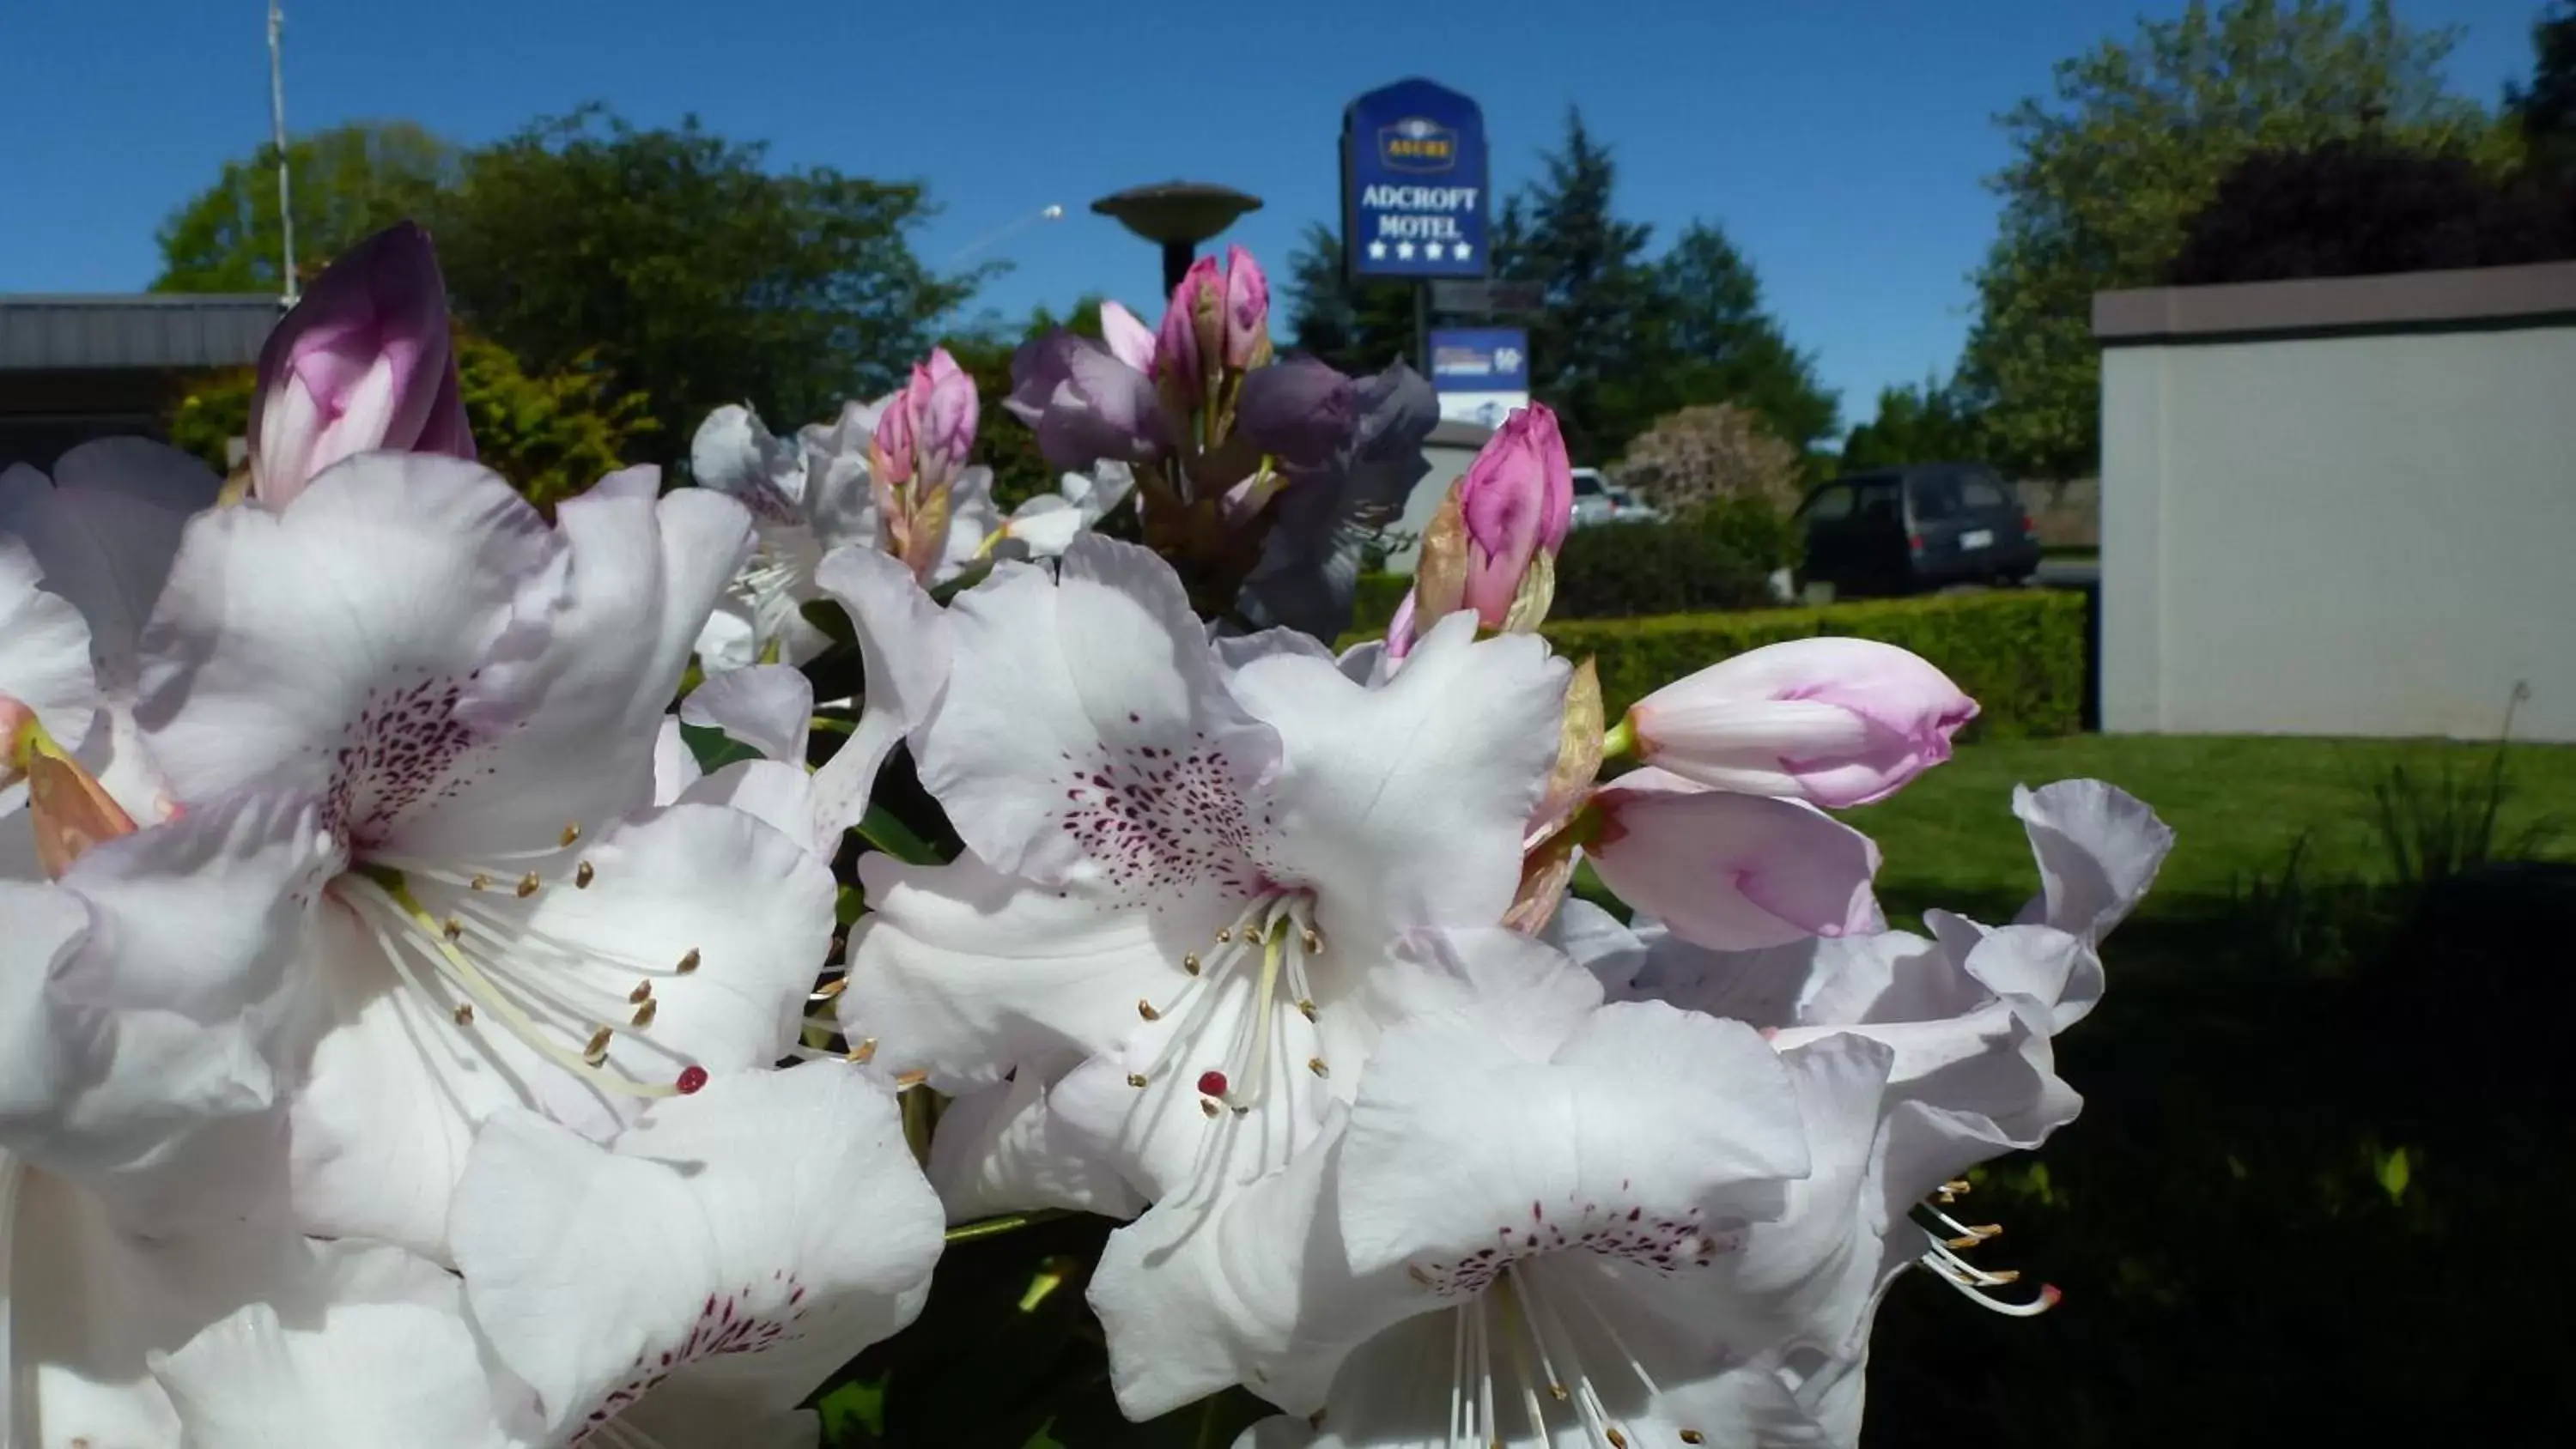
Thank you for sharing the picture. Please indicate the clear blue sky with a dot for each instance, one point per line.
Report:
(1842, 143)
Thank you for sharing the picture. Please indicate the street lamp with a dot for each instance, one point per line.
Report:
(1177, 216)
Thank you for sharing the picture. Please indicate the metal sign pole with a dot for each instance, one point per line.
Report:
(1422, 326)
(277, 132)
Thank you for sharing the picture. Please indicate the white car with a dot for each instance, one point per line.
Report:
(1596, 501)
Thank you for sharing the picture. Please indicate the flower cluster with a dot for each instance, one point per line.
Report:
(428, 1020)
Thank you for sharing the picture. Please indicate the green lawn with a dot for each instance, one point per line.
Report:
(2237, 804)
(2280, 1104)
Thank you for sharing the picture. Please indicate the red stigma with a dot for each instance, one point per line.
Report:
(692, 1078)
(1212, 1083)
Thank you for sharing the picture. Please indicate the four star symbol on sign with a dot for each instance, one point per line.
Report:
(1433, 251)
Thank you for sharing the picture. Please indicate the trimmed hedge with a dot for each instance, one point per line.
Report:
(1718, 556)
(2018, 653)
(1375, 600)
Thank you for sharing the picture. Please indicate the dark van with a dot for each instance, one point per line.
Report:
(1906, 530)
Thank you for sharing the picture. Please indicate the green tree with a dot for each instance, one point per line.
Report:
(2107, 173)
(1924, 422)
(1728, 348)
(1359, 329)
(1562, 233)
(348, 181)
(689, 271)
(552, 434)
(2546, 109)
(1002, 442)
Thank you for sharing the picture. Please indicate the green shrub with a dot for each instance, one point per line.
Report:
(2019, 654)
(1719, 556)
(1374, 602)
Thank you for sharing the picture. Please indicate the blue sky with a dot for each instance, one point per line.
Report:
(1842, 143)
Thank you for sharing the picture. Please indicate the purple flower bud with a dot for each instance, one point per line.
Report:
(1518, 498)
(1247, 311)
(363, 363)
(1178, 358)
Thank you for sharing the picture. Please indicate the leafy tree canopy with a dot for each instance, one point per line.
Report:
(348, 181)
(1924, 422)
(672, 264)
(2108, 171)
(688, 270)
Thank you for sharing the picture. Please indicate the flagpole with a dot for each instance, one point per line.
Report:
(277, 133)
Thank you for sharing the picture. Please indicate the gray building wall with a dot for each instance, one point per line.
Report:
(2350, 510)
(76, 368)
(1450, 448)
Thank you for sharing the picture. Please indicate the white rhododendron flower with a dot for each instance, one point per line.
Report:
(1184, 872)
(474, 699)
(806, 498)
(142, 1130)
(1043, 526)
(689, 1283)
(473, 978)
(1510, 1236)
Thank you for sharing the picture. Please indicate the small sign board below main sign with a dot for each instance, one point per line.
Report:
(1487, 298)
(1414, 189)
(1480, 373)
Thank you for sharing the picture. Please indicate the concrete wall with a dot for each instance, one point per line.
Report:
(2340, 528)
(1449, 449)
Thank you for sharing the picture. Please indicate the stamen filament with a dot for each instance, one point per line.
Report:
(487, 994)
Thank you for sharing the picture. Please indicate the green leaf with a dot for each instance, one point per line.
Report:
(828, 616)
(713, 748)
(2394, 1174)
(853, 1408)
(847, 909)
(880, 829)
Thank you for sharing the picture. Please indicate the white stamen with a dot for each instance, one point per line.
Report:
(503, 987)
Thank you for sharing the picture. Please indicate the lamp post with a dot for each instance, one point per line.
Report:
(1177, 216)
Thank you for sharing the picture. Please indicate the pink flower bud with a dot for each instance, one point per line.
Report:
(1518, 500)
(363, 362)
(946, 428)
(1178, 358)
(1838, 722)
(1247, 311)
(1731, 872)
(891, 445)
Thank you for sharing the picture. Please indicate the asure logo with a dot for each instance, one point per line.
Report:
(1417, 144)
